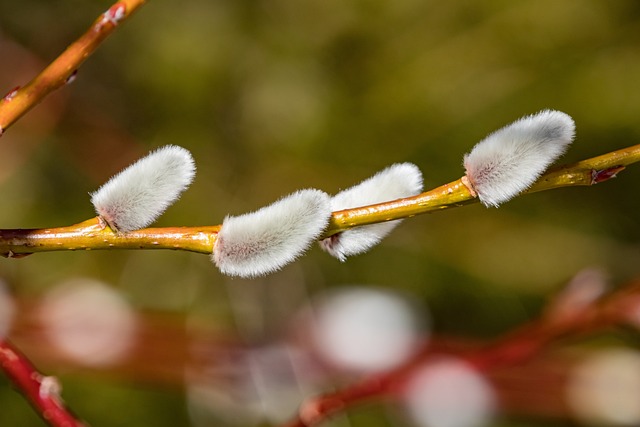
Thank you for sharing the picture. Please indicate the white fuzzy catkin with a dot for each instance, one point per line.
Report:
(139, 194)
(395, 182)
(261, 242)
(510, 159)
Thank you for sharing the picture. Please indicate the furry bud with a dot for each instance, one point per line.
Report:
(263, 241)
(509, 160)
(138, 195)
(395, 182)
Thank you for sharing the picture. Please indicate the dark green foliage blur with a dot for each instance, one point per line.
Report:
(275, 96)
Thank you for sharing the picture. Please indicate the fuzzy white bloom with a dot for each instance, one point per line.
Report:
(395, 182)
(604, 387)
(89, 322)
(263, 241)
(510, 159)
(139, 194)
(364, 329)
(450, 393)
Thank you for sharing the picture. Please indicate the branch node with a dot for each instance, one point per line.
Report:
(12, 254)
(316, 409)
(114, 15)
(9, 96)
(8, 354)
(467, 183)
(102, 223)
(601, 175)
(72, 77)
(50, 388)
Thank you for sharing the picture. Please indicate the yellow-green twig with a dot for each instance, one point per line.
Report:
(456, 193)
(20, 100)
(92, 234)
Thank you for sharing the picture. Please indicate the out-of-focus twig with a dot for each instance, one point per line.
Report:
(42, 392)
(516, 347)
(21, 99)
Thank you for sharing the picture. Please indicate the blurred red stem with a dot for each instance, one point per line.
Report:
(42, 392)
(515, 347)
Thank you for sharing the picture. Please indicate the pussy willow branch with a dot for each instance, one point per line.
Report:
(92, 234)
(42, 392)
(456, 193)
(20, 100)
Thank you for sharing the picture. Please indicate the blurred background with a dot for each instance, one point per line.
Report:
(275, 96)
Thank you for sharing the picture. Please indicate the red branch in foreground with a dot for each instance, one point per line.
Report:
(41, 391)
(575, 312)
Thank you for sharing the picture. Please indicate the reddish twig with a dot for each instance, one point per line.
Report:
(525, 343)
(41, 391)
(20, 100)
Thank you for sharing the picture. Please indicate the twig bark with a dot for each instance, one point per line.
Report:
(20, 100)
(455, 194)
(42, 392)
(92, 234)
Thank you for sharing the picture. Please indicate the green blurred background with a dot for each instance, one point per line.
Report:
(274, 96)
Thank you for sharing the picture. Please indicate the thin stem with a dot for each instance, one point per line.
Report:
(456, 193)
(20, 100)
(42, 392)
(92, 234)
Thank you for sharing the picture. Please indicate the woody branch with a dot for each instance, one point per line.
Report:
(20, 100)
(93, 235)
(42, 392)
